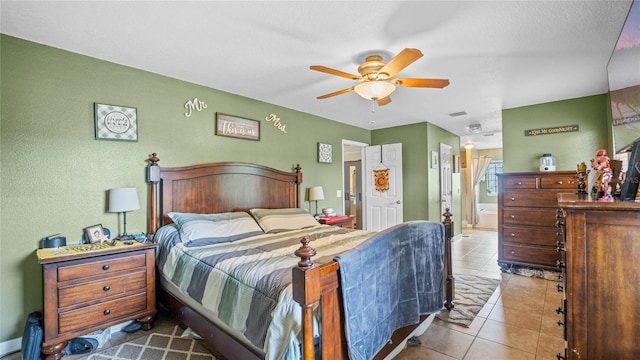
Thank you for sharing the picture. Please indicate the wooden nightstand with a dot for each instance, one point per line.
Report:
(348, 222)
(93, 287)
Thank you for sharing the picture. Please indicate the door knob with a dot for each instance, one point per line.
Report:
(398, 202)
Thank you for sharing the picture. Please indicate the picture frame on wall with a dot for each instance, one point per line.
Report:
(325, 153)
(115, 122)
(434, 160)
(237, 127)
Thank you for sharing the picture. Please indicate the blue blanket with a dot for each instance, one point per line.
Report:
(389, 281)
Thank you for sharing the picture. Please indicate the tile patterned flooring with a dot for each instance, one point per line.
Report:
(518, 322)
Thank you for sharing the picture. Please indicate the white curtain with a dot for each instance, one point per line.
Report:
(479, 166)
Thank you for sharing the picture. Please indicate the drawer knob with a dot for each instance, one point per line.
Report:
(519, 182)
(106, 288)
(107, 312)
(559, 182)
(513, 199)
(513, 252)
(513, 216)
(105, 267)
(513, 235)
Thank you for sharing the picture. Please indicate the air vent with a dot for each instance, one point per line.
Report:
(459, 113)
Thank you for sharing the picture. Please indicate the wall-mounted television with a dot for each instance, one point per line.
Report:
(623, 73)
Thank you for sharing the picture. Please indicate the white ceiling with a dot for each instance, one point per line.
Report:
(497, 54)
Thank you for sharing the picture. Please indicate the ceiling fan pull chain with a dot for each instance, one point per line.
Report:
(373, 106)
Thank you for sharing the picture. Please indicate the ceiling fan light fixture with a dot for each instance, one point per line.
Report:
(373, 90)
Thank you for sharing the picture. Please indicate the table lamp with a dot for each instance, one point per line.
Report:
(316, 193)
(123, 200)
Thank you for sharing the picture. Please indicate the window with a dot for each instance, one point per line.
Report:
(495, 167)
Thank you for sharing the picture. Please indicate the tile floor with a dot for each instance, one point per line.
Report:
(518, 322)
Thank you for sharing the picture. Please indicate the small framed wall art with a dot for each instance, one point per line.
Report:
(324, 153)
(434, 160)
(115, 122)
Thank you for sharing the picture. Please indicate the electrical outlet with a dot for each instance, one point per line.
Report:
(339, 193)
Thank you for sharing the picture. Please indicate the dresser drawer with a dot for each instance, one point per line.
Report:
(103, 312)
(531, 236)
(543, 217)
(531, 254)
(101, 267)
(102, 288)
(523, 182)
(530, 198)
(559, 182)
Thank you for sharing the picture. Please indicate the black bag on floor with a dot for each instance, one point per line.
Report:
(32, 337)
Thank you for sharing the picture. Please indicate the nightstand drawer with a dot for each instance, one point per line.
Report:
(102, 288)
(103, 312)
(102, 267)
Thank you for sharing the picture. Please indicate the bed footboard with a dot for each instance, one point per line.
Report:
(313, 285)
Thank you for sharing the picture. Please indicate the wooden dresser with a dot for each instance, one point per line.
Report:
(527, 204)
(602, 278)
(88, 289)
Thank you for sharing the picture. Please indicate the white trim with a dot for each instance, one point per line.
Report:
(10, 346)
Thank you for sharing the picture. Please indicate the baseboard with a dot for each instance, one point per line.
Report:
(10, 346)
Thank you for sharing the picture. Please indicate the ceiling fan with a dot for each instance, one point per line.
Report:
(377, 78)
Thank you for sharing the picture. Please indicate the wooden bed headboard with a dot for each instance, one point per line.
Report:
(218, 187)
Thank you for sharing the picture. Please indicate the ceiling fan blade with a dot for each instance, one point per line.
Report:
(399, 62)
(340, 92)
(425, 83)
(384, 101)
(335, 72)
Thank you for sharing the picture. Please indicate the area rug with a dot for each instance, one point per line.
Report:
(471, 293)
(166, 344)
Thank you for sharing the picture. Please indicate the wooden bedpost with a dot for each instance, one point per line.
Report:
(448, 269)
(306, 292)
(153, 176)
(298, 182)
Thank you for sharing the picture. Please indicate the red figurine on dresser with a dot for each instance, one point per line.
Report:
(603, 176)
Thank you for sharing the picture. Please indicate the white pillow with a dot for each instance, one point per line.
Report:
(278, 220)
(208, 229)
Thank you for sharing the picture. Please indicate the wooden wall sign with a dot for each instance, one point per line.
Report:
(551, 130)
(237, 127)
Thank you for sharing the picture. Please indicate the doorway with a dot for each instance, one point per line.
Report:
(352, 180)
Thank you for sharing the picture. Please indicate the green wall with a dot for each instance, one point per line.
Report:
(569, 149)
(421, 195)
(55, 175)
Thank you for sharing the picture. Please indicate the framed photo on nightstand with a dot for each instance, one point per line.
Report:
(95, 234)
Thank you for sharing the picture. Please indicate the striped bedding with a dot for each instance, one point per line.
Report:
(252, 277)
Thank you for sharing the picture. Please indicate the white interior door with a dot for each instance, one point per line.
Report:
(446, 193)
(383, 208)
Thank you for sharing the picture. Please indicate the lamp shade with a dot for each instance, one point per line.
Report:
(123, 199)
(374, 90)
(316, 193)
